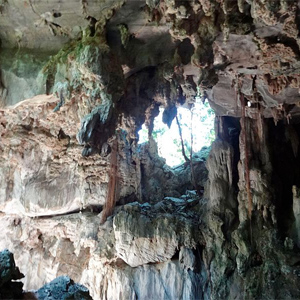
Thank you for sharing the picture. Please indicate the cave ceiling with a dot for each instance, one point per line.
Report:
(176, 49)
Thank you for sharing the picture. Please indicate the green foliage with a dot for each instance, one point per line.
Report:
(125, 34)
(168, 140)
(74, 49)
(159, 132)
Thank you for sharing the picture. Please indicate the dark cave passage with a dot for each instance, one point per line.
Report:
(284, 139)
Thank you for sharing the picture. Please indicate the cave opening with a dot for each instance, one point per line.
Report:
(197, 132)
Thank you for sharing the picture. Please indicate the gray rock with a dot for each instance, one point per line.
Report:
(150, 234)
(10, 287)
(63, 288)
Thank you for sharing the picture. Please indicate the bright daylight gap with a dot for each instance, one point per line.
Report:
(168, 140)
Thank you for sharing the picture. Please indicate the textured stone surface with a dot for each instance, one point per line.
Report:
(47, 25)
(44, 173)
(21, 75)
(93, 254)
(182, 247)
(206, 44)
(63, 288)
(140, 239)
(113, 65)
(42, 169)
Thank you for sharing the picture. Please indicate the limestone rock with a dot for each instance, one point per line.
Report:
(113, 65)
(95, 254)
(42, 169)
(149, 235)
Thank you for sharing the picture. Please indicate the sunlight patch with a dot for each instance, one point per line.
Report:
(197, 122)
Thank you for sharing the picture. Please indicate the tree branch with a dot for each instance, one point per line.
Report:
(182, 144)
(196, 187)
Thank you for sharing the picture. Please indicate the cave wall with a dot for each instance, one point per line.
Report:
(252, 245)
(79, 77)
(176, 245)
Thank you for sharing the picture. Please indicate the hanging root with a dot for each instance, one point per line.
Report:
(112, 183)
(194, 181)
(181, 139)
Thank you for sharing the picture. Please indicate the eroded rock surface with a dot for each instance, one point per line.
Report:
(141, 237)
(44, 173)
(133, 252)
(111, 66)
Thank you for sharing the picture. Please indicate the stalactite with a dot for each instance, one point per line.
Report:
(84, 5)
(112, 183)
(246, 157)
(259, 115)
(219, 128)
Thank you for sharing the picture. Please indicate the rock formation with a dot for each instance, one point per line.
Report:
(80, 197)
(10, 287)
(60, 288)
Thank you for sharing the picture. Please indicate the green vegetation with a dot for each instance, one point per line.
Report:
(197, 123)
